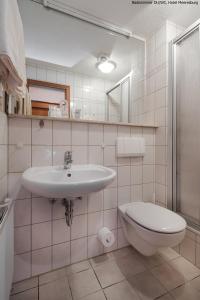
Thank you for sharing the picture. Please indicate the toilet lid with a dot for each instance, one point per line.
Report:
(155, 218)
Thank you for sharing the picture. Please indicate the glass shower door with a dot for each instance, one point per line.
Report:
(187, 99)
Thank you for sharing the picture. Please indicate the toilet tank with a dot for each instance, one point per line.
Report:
(6, 249)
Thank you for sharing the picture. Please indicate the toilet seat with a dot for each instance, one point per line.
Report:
(155, 218)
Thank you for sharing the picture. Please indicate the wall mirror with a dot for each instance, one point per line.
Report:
(102, 69)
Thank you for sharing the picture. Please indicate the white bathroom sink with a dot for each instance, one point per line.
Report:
(56, 182)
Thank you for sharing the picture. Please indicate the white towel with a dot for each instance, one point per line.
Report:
(130, 146)
(12, 50)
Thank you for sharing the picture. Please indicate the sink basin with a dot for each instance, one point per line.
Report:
(56, 182)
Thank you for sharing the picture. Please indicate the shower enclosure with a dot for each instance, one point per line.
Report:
(184, 196)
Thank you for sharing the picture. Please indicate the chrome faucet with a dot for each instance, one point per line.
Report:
(68, 160)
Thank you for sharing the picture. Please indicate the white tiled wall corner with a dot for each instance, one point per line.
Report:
(44, 222)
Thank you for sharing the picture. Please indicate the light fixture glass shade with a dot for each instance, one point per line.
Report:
(105, 65)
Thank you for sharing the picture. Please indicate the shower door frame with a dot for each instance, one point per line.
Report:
(172, 202)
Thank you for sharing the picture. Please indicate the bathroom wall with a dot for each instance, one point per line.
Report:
(3, 156)
(87, 93)
(156, 110)
(42, 239)
(156, 100)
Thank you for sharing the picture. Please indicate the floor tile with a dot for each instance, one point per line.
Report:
(195, 283)
(152, 261)
(130, 265)
(78, 267)
(119, 291)
(96, 296)
(102, 259)
(58, 289)
(108, 274)
(147, 286)
(24, 285)
(166, 297)
(168, 253)
(52, 276)
(185, 268)
(168, 276)
(31, 294)
(185, 292)
(83, 284)
(123, 252)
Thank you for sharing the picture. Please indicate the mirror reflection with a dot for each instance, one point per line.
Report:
(78, 70)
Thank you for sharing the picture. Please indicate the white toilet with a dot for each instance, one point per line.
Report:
(149, 227)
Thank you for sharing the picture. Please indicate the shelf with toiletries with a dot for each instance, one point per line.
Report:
(71, 119)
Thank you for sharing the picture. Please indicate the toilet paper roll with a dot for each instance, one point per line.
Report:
(106, 237)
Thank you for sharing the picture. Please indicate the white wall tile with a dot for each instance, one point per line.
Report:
(110, 156)
(76, 254)
(95, 134)
(15, 189)
(41, 74)
(22, 266)
(61, 79)
(61, 232)
(95, 155)
(51, 76)
(79, 227)
(31, 72)
(79, 134)
(148, 173)
(60, 255)
(22, 239)
(19, 158)
(80, 154)
(110, 134)
(22, 213)
(148, 134)
(61, 133)
(124, 195)
(41, 156)
(19, 131)
(41, 261)
(124, 176)
(136, 193)
(3, 160)
(58, 154)
(41, 235)
(122, 241)
(41, 136)
(110, 198)
(80, 206)
(95, 202)
(95, 222)
(148, 192)
(136, 174)
(41, 210)
(95, 247)
(110, 218)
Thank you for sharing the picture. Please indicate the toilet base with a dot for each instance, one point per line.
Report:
(139, 244)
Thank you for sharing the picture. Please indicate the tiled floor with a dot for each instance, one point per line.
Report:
(119, 275)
